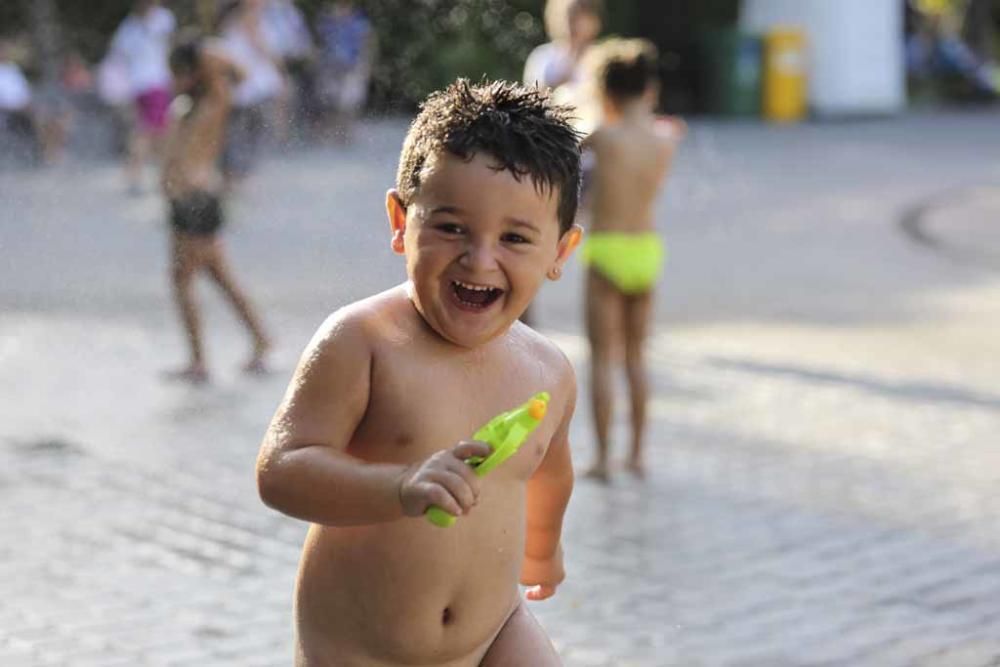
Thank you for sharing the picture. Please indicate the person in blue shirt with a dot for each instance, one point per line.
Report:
(346, 49)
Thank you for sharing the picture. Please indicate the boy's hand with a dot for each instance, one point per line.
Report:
(445, 480)
(542, 576)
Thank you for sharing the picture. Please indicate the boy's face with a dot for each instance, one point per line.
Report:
(478, 245)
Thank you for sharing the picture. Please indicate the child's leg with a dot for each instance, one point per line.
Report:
(604, 313)
(138, 152)
(637, 314)
(521, 641)
(187, 260)
(218, 268)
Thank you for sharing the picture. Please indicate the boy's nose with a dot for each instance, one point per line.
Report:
(479, 256)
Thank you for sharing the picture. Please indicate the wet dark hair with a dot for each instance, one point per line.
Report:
(626, 67)
(519, 127)
(186, 54)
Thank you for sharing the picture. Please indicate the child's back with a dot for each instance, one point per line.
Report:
(632, 152)
(633, 158)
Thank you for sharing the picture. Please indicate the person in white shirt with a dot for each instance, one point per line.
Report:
(287, 36)
(243, 40)
(114, 90)
(15, 91)
(16, 117)
(572, 25)
(141, 44)
(285, 30)
(347, 53)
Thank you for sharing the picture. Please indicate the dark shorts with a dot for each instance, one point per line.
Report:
(197, 213)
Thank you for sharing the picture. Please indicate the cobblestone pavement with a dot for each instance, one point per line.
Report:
(823, 452)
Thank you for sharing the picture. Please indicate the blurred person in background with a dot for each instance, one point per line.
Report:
(193, 185)
(77, 78)
(53, 116)
(288, 38)
(45, 116)
(141, 43)
(17, 121)
(114, 91)
(256, 97)
(347, 49)
(623, 251)
(979, 29)
(572, 25)
(935, 46)
(76, 82)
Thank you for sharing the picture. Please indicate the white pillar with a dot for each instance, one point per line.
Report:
(855, 50)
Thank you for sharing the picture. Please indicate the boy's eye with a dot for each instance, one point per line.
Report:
(448, 228)
(511, 237)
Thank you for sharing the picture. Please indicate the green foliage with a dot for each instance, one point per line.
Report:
(422, 44)
(425, 44)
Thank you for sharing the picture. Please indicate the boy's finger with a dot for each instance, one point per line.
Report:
(469, 448)
(455, 484)
(438, 495)
(540, 592)
(466, 472)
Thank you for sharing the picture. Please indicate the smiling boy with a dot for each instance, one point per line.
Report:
(373, 429)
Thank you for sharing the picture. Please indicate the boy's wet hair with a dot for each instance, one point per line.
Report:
(519, 127)
(625, 68)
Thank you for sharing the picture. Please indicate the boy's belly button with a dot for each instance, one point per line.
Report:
(446, 616)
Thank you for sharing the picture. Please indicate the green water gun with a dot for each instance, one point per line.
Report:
(505, 434)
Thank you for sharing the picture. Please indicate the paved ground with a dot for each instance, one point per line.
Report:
(824, 449)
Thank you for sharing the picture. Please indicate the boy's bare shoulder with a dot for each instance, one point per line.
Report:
(545, 352)
(377, 318)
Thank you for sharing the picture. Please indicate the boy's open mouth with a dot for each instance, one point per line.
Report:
(475, 297)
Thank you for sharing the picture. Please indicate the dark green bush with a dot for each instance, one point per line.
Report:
(425, 44)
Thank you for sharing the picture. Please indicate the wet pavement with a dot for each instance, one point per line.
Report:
(824, 459)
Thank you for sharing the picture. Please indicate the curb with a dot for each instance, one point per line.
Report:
(917, 221)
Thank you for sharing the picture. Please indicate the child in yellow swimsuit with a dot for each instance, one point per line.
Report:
(632, 151)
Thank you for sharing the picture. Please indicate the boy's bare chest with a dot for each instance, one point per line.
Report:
(417, 408)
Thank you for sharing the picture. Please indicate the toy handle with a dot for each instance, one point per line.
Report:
(442, 519)
(439, 517)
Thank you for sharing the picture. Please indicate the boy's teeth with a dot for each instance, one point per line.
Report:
(477, 288)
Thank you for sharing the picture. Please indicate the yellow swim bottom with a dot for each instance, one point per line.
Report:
(632, 262)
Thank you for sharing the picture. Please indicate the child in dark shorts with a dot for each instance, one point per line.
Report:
(192, 183)
(198, 213)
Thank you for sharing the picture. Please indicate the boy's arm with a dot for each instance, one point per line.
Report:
(303, 469)
(548, 494)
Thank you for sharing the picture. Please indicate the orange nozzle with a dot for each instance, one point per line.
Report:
(537, 409)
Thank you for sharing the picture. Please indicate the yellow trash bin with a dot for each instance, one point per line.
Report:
(784, 75)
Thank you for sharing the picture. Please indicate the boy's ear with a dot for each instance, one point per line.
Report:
(567, 244)
(397, 219)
